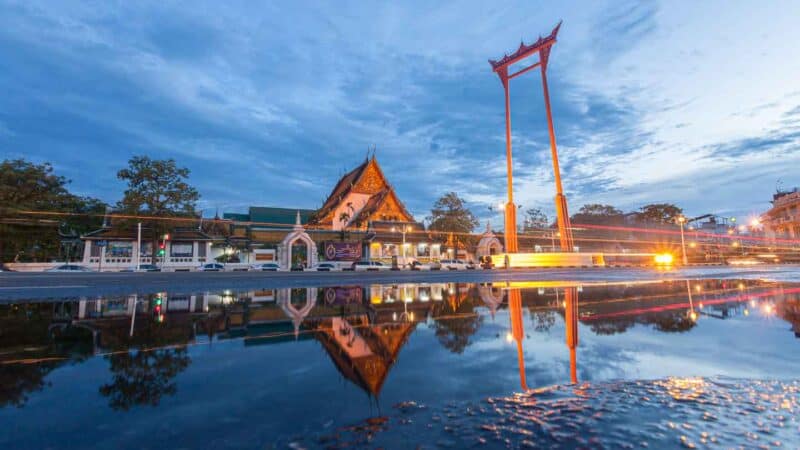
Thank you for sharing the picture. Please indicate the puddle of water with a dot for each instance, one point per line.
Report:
(445, 364)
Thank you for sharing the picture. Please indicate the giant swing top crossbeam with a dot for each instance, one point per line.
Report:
(542, 45)
(500, 67)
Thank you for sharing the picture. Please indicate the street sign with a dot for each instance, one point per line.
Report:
(102, 243)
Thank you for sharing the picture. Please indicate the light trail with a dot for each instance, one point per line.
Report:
(732, 299)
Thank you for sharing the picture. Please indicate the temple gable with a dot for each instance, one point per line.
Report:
(362, 195)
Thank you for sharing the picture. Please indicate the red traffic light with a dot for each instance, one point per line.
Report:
(162, 245)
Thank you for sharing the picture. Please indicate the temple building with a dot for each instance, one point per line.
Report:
(362, 218)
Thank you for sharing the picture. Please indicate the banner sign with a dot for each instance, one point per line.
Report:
(344, 295)
(342, 251)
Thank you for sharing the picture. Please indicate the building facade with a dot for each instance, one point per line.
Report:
(115, 248)
(783, 219)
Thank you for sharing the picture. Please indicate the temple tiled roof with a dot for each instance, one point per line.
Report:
(342, 188)
(271, 215)
(369, 170)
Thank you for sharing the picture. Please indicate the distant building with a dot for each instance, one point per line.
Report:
(114, 248)
(783, 219)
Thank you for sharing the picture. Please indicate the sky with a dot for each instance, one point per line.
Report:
(269, 103)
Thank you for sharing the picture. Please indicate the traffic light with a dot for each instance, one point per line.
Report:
(158, 314)
(162, 245)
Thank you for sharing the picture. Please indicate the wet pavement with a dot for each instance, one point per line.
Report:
(705, 362)
(27, 285)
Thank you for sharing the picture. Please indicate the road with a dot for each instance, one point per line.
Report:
(19, 285)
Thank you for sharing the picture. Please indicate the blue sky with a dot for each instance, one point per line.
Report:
(696, 103)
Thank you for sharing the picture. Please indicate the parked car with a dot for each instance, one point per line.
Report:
(457, 264)
(266, 267)
(69, 268)
(433, 265)
(371, 266)
(143, 268)
(327, 267)
(211, 267)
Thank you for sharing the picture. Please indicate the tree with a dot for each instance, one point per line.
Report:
(143, 377)
(659, 213)
(597, 213)
(26, 187)
(157, 188)
(450, 214)
(598, 209)
(535, 219)
(455, 321)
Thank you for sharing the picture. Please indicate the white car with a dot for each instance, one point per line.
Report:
(457, 264)
(433, 265)
(327, 267)
(370, 266)
(143, 268)
(266, 267)
(212, 267)
(70, 268)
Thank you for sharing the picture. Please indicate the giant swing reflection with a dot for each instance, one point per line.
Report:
(570, 306)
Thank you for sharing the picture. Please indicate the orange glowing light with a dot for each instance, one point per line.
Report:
(663, 259)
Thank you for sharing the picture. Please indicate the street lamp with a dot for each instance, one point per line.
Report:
(682, 222)
(404, 229)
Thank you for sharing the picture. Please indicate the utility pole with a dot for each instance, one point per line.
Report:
(682, 221)
(138, 246)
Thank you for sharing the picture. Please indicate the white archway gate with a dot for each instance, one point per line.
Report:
(297, 315)
(489, 243)
(298, 234)
(491, 296)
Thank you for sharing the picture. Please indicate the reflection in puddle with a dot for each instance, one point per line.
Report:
(148, 342)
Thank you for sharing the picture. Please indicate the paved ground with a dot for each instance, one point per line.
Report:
(17, 286)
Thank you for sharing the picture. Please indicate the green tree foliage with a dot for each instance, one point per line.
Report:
(450, 214)
(658, 213)
(535, 219)
(157, 188)
(26, 188)
(597, 213)
(598, 209)
(455, 321)
(143, 377)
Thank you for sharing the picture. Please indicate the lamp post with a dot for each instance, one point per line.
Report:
(682, 221)
(138, 253)
(403, 230)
